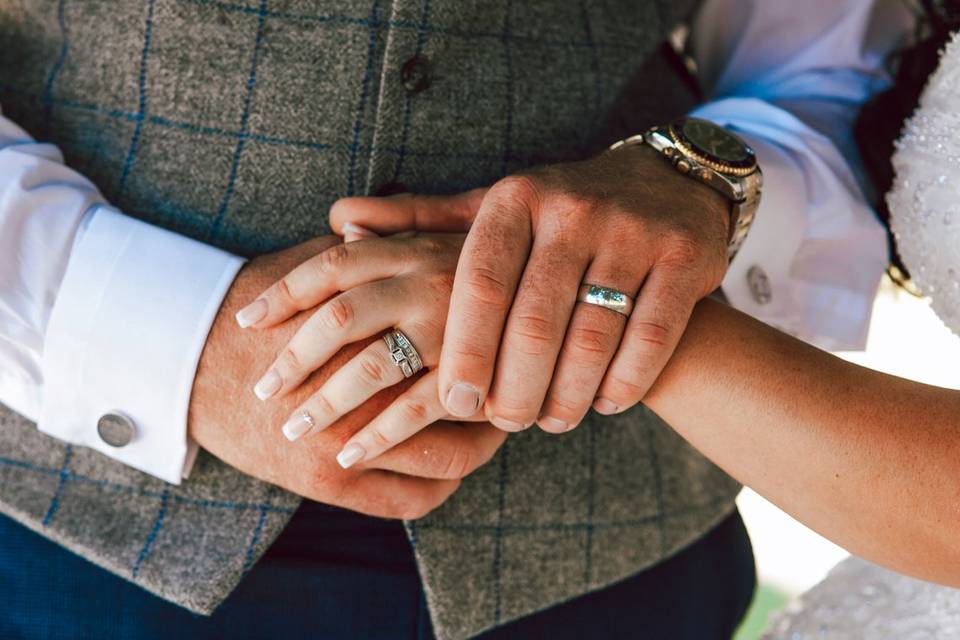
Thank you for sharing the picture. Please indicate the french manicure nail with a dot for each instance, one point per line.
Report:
(462, 400)
(554, 425)
(507, 425)
(349, 227)
(298, 425)
(604, 406)
(351, 455)
(269, 384)
(252, 313)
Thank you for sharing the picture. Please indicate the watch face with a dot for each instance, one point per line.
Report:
(714, 143)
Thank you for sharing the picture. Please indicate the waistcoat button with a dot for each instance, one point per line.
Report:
(415, 74)
(116, 429)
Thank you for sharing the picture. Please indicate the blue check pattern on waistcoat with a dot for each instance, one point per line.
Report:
(238, 124)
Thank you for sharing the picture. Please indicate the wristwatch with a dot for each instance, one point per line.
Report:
(716, 157)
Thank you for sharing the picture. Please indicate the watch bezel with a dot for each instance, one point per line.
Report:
(742, 167)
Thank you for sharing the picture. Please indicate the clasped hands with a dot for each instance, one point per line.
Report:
(484, 284)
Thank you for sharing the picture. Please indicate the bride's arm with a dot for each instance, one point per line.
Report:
(869, 460)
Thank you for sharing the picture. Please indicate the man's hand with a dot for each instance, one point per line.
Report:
(227, 420)
(516, 340)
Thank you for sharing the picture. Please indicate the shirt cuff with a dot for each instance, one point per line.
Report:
(815, 254)
(125, 336)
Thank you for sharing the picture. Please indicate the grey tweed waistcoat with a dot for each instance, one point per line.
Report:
(239, 124)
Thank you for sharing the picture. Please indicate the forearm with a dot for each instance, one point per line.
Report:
(868, 460)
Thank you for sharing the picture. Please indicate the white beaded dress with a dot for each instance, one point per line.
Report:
(859, 600)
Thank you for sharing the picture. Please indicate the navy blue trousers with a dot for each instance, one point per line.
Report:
(333, 574)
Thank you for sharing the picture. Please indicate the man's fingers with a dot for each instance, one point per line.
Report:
(390, 495)
(406, 211)
(534, 333)
(662, 310)
(493, 257)
(590, 343)
(447, 450)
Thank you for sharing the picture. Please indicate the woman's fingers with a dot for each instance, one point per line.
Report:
(662, 310)
(366, 374)
(349, 317)
(415, 409)
(589, 346)
(338, 268)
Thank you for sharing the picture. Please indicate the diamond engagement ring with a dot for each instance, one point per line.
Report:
(611, 299)
(403, 353)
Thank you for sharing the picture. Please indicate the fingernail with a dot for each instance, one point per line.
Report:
(604, 406)
(351, 455)
(349, 227)
(507, 425)
(298, 425)
(269, 384)
(462, 400)
(252, 313)
(553, 424)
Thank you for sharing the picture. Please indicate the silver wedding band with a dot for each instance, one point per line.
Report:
(611, 299)
(403, 353)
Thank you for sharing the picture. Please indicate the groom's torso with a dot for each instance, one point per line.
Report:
(240, 123)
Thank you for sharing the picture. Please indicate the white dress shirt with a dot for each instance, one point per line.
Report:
(101, 313)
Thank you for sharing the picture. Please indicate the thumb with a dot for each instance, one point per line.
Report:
(407, 211)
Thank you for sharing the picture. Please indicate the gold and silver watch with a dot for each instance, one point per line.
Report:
(716, 157)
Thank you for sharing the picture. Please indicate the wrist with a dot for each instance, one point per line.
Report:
(651, 167)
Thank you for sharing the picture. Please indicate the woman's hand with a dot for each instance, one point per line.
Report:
(517, 342)
(402, 282)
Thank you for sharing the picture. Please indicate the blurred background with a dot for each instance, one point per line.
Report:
(906, 339)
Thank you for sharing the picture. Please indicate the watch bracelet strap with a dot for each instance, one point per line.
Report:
(739, 224)
(747, 211)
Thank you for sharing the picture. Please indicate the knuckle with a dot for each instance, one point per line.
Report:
(564, 409)
(682, 249)
(516, 187)
(651, 334)
(467, 357)
(486, 286)
(532, 334)
(627, 391)
(373, 369)
(591, 343)
(379, 438)
(520, 409)
(415, 410)
(283, 293)
(431, 325)
(332, 260)
(321, 404)
(338, 314)
(289, 360)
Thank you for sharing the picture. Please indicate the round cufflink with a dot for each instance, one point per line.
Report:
(116, 429)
